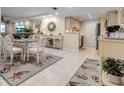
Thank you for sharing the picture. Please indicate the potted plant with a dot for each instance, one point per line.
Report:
(26, 32)
(115, 69)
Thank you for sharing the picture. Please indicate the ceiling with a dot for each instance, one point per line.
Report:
(14, 13)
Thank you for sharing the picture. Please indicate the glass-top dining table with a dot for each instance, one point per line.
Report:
(24, 44)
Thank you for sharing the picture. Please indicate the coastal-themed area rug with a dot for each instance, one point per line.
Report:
(20, 71)
(87, 74)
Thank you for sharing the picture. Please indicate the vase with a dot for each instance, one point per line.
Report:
(115, 79)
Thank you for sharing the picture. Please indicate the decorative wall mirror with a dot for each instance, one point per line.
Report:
(51, 26)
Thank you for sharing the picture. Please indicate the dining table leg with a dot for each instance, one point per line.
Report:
(24, 53)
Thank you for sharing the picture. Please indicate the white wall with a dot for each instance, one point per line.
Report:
(82, 30)
(70, 42)
(88, 29)
(0, 14)
(60, 25)
(11, 28)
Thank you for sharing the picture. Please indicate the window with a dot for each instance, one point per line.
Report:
(20, 27)
(2, 28)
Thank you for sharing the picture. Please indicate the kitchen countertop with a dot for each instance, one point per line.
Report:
(119, 40)
(111, 38)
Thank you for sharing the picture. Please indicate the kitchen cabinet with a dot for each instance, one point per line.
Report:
(112, 18)
(72, 24)
(122, 21)
(121, 16)
(102, 25)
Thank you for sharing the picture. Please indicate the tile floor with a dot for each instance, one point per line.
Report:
(61, 72)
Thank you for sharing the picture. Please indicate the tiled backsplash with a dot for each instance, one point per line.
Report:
(117, 35)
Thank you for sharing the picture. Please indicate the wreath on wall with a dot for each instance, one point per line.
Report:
(51, 26)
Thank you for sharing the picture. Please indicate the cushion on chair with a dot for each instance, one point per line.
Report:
(34, 50)
(17, 49)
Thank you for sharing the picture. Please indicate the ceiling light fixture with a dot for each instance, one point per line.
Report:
(43, 16)
(50, 15)
(89, 15)
(56, 13)
(3, 20)
(55, 9)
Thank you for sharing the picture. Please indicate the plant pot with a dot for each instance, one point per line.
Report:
(115, 79)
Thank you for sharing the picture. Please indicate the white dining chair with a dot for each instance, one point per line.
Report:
(38, 50)
(10, 49)
(34, 37)
(2, 49)
(10, 36)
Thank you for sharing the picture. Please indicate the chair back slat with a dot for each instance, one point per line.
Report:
(8, 43)
(2, 46)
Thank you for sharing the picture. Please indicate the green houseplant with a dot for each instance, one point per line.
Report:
(115, 69)
(26, 32)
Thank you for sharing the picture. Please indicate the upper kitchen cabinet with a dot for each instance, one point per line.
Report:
(122, 16)
(72, 24)
(112, 18)
(102, 25)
